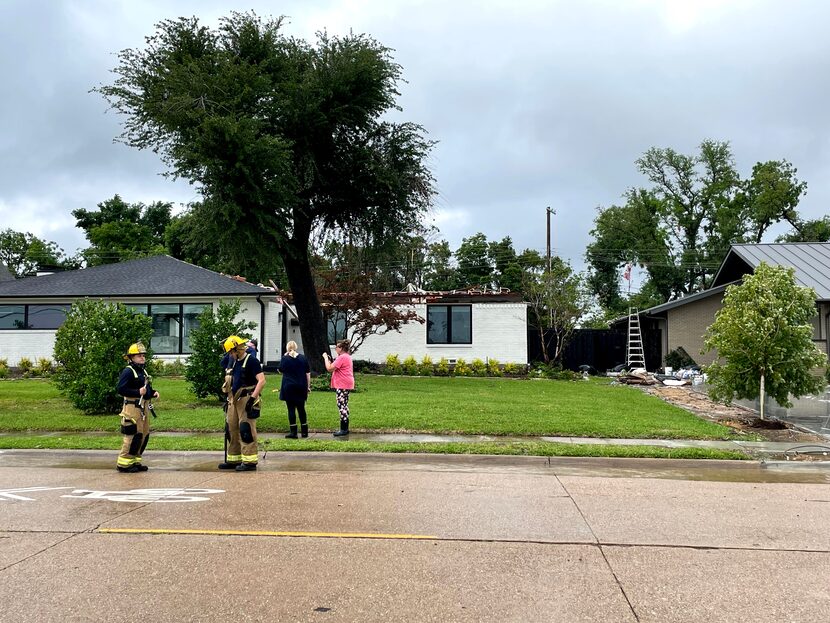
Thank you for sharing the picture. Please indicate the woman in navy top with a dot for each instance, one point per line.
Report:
(296, 383)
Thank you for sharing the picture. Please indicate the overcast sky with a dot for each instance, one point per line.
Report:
(534, 103)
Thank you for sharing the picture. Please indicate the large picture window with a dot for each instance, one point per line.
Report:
(172, 326)
(12, 316)
(449, 324)
(32, 316)
(46, 316)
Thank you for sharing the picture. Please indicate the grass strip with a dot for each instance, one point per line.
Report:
(519, 448)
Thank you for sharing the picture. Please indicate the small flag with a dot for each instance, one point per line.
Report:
(627, 273)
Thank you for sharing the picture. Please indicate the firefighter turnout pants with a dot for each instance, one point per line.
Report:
(135, 426)
(240, 428)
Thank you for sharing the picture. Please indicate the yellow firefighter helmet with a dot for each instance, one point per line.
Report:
(233, 342)
(135, 349)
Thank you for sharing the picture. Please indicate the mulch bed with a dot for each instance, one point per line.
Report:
(738, 418)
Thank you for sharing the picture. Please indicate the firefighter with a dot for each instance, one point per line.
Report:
(134, 386)
(244, 380)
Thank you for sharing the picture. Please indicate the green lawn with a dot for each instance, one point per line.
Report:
(487, 406)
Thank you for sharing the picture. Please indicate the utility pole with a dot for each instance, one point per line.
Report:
(549, 212)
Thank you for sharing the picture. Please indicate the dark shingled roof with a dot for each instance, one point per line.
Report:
(160, 275)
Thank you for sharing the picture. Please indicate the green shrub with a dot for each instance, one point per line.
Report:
(361, 366)
(175, 368)
(321, 383)
(203, 371)
(410, 366)
(156, 367)
(25, 365)
(461, 368)
(478, 367)
(513, 369)
(4, 363)
(89, 352)
(425, 368)
(4, 372)
(393, 364)
(44, 367)
(493, 367)
(443, 367)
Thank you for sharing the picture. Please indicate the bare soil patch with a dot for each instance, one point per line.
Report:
(737, 418)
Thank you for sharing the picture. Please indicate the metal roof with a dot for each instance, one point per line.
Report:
(160, 275)
(811, 261)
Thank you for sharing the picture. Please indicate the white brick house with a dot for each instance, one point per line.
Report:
(173, 293)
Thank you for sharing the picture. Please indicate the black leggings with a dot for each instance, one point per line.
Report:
(300, 407)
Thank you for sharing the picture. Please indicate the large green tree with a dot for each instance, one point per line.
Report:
(680, 227)
(119, 231)
(282, 137)
(763, 336)
(817, 230)
(24, 253)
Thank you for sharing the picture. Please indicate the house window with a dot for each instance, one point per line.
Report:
(449, 324)
(166, 328)
(336, 326)
(32, 316)
(172, 326)
(12, 316)
(190, 321)
(46, 316)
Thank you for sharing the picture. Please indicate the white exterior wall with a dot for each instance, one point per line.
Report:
(38, 343)
(34, 344)
(499, 331)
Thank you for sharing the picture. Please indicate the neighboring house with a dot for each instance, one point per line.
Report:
(173, 293)
(459, 324)
(684, 322)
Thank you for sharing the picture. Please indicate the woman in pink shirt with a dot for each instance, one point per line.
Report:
(342, 380)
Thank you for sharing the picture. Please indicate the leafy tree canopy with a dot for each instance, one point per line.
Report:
(763, 337)
(25, 253)
(680, 228)
(119, 231)
(281, 136)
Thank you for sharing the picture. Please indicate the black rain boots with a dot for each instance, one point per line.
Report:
(344, 429)
(293, 433)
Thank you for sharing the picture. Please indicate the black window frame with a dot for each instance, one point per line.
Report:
(448, 308)
(148, 307)
(25, 306)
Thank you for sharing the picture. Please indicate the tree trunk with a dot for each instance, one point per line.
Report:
(312, 326)
(762, 395)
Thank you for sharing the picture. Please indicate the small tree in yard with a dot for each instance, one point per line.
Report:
(203, 370)
(557, 301)
(358, 313)
(89, 352)
(764, 334)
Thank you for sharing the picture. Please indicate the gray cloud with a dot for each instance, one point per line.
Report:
(533, 103)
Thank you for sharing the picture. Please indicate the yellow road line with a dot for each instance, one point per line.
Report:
(325, 535)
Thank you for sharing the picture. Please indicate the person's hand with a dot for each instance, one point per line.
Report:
(326, 356)
(155, 394)
(142, 391)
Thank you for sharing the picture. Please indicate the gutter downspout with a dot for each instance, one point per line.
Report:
(261, 328)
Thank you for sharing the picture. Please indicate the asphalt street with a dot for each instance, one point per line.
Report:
(341, 537)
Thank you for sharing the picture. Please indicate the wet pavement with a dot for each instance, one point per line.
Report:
(378, 537)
